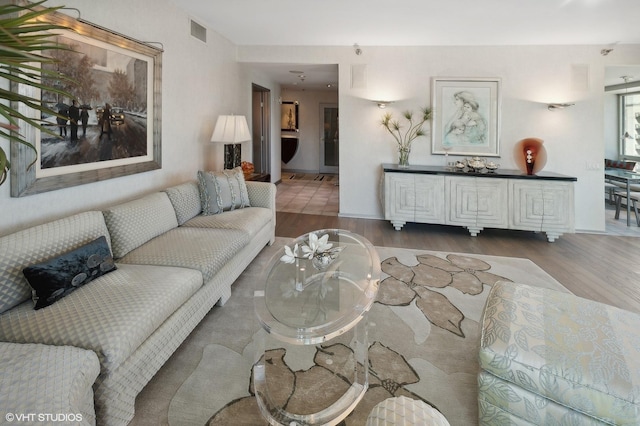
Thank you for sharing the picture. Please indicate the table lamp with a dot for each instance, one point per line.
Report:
(230, 130)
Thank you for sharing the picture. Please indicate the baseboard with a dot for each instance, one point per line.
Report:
(360, 216)
(590, 231)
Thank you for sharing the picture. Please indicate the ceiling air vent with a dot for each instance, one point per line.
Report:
(198, 31)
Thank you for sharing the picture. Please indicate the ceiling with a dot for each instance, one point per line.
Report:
(613, 75)
(604, 23)
(301, 76)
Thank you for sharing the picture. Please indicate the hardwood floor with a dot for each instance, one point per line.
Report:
(600, 267)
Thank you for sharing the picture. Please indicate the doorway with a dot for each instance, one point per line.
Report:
(261, 129)
(329, 139)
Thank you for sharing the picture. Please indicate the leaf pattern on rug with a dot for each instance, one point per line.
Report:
(391, 368)
(407, 283)
(439, 310)
(389, 372)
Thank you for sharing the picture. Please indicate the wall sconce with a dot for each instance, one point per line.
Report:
(553, 107)
(383, 104)
(231, 129)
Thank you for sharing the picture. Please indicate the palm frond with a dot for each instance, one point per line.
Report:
(25, 37)
(4, 166)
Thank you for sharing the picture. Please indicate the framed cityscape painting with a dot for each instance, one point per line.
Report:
(111, 127)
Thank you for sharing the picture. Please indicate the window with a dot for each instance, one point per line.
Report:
(630, 125)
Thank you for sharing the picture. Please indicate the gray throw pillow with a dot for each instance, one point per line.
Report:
(222, 191)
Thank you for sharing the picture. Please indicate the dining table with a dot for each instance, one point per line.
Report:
(627, 177)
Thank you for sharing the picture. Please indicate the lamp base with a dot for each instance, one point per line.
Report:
(232, 155)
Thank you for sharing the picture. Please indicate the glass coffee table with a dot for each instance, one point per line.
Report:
(316, 296)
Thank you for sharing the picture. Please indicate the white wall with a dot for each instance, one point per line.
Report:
(199, 82)
(202, 81)
(307, 158)
(532, 76)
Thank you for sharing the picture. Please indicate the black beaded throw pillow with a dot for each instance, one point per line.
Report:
(52, 280)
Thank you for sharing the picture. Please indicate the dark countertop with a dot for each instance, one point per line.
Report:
(500, 173)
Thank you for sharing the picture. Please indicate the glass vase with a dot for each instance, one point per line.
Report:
(403, 157)
(322, 261)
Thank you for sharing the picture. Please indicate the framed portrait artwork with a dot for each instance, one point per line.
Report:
(466, 116)
(289, 117)
(111, 126)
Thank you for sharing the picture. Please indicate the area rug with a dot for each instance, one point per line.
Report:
(423, 337)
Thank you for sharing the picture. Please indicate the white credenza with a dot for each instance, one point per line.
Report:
(505, 199)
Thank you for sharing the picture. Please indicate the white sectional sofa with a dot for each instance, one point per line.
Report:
(172, 265)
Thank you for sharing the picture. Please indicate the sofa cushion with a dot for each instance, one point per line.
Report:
(57, 277)
(521, 407)
(43, 379)
(251, 220)
(262, 194)
(134, 223)
(205, 250)
(186, 201)
(111, 315)
(39, 243)
(579, 353)
(223, 190)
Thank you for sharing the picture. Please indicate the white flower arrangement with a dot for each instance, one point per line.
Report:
(317, 249)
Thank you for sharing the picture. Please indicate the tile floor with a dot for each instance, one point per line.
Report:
(309, 194)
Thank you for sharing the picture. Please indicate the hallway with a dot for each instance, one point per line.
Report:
(309, 193)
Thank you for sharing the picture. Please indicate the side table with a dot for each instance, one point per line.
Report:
(316, 297)
(258, 177)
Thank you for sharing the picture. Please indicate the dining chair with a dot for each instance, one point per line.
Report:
(634, 197)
